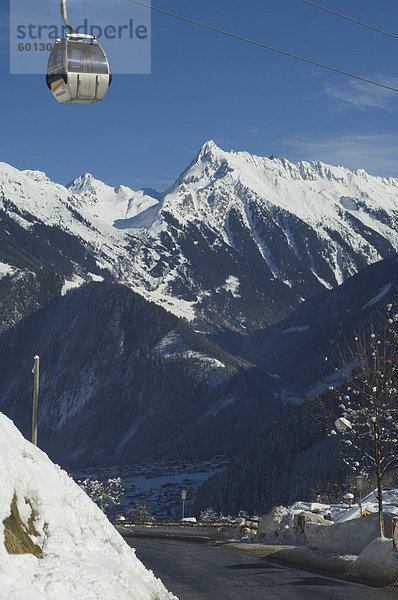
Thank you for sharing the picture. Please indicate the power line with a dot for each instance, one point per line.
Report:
(333, 12)
(259, 44)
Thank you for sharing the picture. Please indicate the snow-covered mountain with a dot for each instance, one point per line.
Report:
(237, 242)
(54, 541)
(106, 203)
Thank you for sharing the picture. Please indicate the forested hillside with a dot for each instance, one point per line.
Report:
(291, 458)
(124, 380)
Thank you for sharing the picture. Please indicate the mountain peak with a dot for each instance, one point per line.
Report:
(36, 175)
(84, 183)
(209, 146)
(209, 150)
(208, 159)
(8, 171)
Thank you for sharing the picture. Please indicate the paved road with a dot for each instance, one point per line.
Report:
(194, 571)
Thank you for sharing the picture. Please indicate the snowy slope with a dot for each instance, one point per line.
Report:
(83, 555)
(329, 199)
(237, 242)
(83, 214)
(304, 349)
(107, 203)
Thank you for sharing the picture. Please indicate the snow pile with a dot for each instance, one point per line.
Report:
(350, 549)
(380, 560)
(83, 555)
(348, 537)
(277, 527)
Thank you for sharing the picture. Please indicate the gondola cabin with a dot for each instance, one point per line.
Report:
(78, 71)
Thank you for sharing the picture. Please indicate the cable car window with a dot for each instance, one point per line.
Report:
(75, 59)
(86, 58)
(98, 61)
(55, 62)
(50, 65)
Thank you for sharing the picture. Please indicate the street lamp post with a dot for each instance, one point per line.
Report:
(183, 497)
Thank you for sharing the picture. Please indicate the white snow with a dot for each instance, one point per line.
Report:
(6, 269)
(346, 545)
(277, 527)
(343, 512)
(357, 543)
(349, 203)
(232, 285)
(71, 284)
(83, 555)
(347, 537)
(95, 277)
(107, 203)
(318, 194)
(123, 228)
(219, 406)
(380, 559)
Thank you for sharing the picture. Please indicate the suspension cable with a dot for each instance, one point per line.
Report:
(333, 12)
(265, 46)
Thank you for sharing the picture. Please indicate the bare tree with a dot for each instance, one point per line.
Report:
(97, 491)
(140, 514)
(115, 492)
(368, 409)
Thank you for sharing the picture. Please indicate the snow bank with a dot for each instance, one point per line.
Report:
(277, 527)
(348, 537)
(380, 561)
(349, 550)
(377, 564)
(83, 555)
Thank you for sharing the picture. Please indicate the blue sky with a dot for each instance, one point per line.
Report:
(205, 86)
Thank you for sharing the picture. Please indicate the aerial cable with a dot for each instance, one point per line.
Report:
(259, 44)
(333, 12)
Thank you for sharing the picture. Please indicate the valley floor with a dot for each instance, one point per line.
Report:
(157, 485)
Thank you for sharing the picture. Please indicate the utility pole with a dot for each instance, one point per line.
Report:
(35, 399)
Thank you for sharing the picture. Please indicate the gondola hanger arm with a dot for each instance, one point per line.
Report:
(64, 14)
(72, 33)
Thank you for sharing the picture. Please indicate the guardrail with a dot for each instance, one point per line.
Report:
(241, 527)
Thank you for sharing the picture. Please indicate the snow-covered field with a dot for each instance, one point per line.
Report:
(82, 554)
(157, 485)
